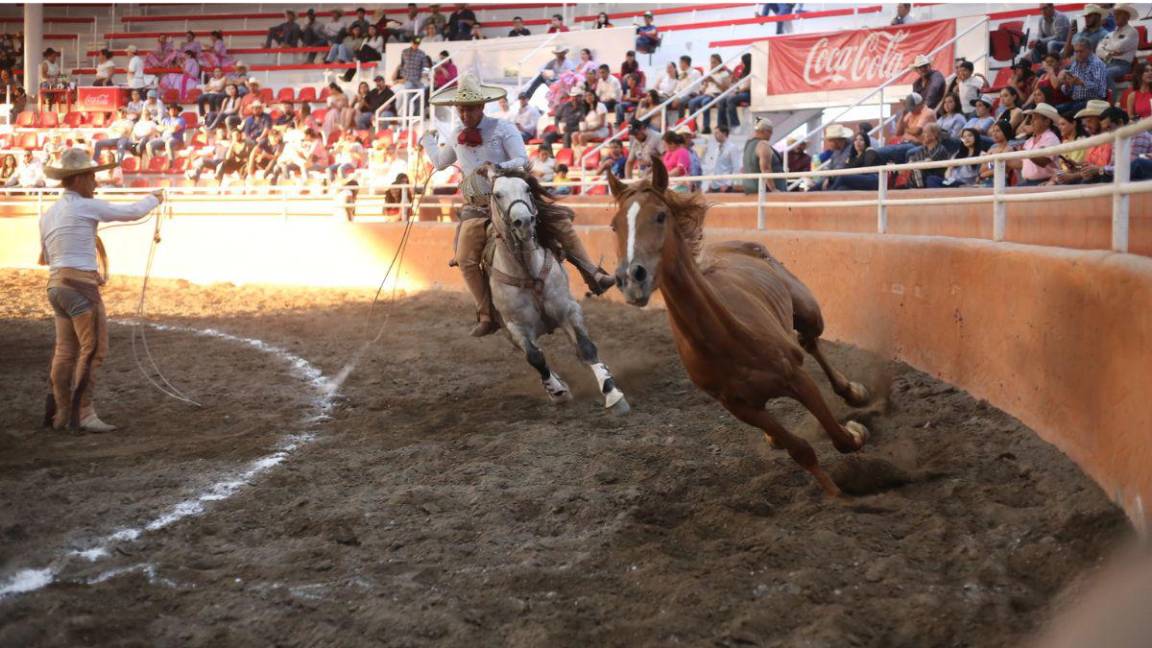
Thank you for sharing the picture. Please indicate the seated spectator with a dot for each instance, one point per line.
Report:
(264, 157)
(983, 119)
(931, 149)
(410, 28)
(1093, 32)
(630, 65)
(929, 83)
(286, 34)
(593, 125)
(163, 54)
(631, 96)
(951, 119)
(1050, 33)
(119, 134)
(1085, 78)
(797, 156)
(602, 21)
(142, 132)
(8, 170)
(105, 69)
(236, 158)
(171, 134)
(446, 73)
(1023, 78)
(557, 24)
(340, 116)
(1049, 82)
(397, 196)
(643, 142)
(568, 118)
(965, 84)
(431, 34)
(50, 76)
(438, 20)
(526, 118)
(543, 164)
(723, 157)
(575, 78)
(217, 54)
(729, 108)
(212, 92)
(613, 160)
(607, 87)
(1068, 163)
(666, 86)
(503, 110)
(112, 177)
(361, 21)
(518, 28)
(30, 175)
(713, 86)
(53, 148)
(564, 184)
(1118, 49)
(257, 123)
(864, 156)
(1002, 135)
(372, 47)
(349, 155)
(239, 77)
(227, 113)
(1010, 109)
(903, 14)
(1037, 170)
(209, 156)
(312, 34)
(909, 129)
(342, 49)
(373, 101)
(647, 36)
(334, 30)
(19, 100)
(965, 175)
(1138, 102)
(552, 70)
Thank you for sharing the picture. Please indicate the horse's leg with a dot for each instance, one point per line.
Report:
(589, 355)
(799, 449)
(846, 438)
(557, 389)
(809, 324)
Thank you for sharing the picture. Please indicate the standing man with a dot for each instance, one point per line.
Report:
(903, 14)
(136, 76)
(72, 251)
(477, 145)
(413, 62)
(460, 23)
(760, 157)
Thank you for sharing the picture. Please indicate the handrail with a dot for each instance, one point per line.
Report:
(520, 63)
(662, 107)
(879, 89)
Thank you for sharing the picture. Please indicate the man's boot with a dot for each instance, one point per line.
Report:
(597, 279)
(472, 235)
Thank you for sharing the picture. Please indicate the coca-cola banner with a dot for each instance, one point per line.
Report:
(862, 58)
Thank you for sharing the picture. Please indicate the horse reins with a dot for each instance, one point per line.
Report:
(528, 281)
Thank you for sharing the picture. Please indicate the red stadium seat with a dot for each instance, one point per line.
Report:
(29, 141)
(74, 119)
(192, 96)
(191, 119)
(171, 96)
(307, 95)
(266, 95)
(49, 119)
(324, 92)
(565, 156)
(139, 183)
(179, 165)
(26, 119)
(130, 165)
(286, 95)
(158, 164)
(98, 119)
(1013, 25)
(1004, 44)
(365, 137)
(1144, 42)
(319, 114)
(199, 138)
(592, 161)
(1003, 77)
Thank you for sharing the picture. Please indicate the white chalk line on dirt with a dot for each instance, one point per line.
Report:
(29, 580)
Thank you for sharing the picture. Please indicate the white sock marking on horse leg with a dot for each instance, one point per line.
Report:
(633, 211)
(602, 375)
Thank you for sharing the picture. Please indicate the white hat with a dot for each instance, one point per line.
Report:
(1045, 110)
(1128, 9)
(764, 123)
(914, 98)
(1095, 9)
(560, 49)
(131, 49)
(75, 161)
(838, 131)
(1094, 108)
(920, 61)
(467, 92)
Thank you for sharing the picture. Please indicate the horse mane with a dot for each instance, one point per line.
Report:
(687, 209)
(546, 204)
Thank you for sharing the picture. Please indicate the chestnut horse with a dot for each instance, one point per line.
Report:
(741, 320)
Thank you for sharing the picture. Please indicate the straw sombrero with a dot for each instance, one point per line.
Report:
(1128, 9)
(1094, 108)
(73, 162)
(1044, 110)
(468, 92)
(920, 61)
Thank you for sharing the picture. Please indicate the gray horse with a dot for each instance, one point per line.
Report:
(529, 284)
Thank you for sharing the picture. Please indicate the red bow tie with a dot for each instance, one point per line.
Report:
(470, 137)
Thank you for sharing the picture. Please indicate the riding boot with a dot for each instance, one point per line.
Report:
(469, 250)
(597, 279)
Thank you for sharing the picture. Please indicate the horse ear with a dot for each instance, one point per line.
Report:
(659, 173)
(614, 185)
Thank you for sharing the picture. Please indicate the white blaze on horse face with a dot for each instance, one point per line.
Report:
(633, 211)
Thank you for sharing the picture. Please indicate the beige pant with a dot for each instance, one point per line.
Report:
(81, 346)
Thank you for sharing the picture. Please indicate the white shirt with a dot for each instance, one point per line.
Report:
(527, 117)
(30, 175)
(667, 86)
(136, 72)
(68, 228)
(608, 89)
(104, 70)
(687, 79)
(722, 159)
(716, 82)
(502, 146)
(1120, 45)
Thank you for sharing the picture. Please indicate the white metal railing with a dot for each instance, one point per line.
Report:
(523, 59)
(1119, 189)
(663, 107)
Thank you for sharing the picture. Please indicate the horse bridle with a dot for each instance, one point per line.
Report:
(535, 284)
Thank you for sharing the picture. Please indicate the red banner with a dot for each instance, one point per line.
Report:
(862, 58)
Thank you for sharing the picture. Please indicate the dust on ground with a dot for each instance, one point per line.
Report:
(448, 503)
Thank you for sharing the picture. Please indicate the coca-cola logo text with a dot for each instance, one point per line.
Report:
(877, 58)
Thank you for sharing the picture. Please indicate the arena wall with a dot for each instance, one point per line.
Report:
(1060, 338)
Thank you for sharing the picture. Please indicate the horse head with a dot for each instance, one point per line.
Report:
(643, 219)
(514, 209)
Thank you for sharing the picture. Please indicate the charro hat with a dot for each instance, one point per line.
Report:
(73, 162)
(1044, 110)
(1094, 108)
(468, 92)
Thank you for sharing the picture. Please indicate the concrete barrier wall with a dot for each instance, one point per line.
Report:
(1060, 338)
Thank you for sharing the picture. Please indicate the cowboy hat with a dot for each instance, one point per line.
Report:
(920, 61)
(987, 100)
(131, 49)
(1093, 109)
(468, 92)
(837, 131)
(73, 162)
(1044, 110)
(560, 49)
(1095, 9)
(1128, 9)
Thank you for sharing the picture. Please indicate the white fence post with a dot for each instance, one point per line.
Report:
(882, 202)
(1121, 174)
(999, 208)
(404, 207)
(760, 223)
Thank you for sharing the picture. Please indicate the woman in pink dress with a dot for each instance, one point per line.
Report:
(217, 54)
(163, 55)
(558, 91)
(186, 80)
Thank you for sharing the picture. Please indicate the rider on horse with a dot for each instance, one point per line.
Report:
(479, 143)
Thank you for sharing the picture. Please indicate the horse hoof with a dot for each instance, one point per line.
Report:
(621, 407)
(560, 397)
(858, 432)
(858, 395)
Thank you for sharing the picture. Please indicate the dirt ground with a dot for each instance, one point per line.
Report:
(447, 503)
